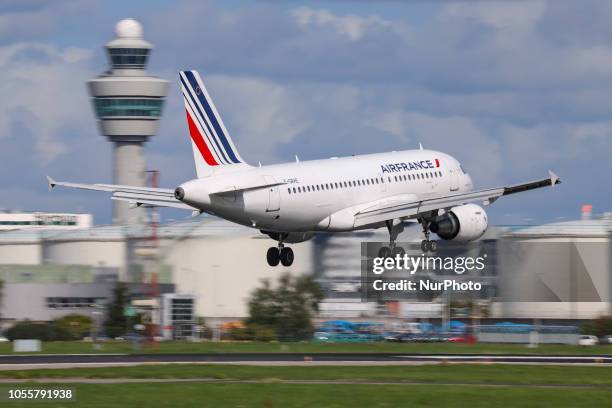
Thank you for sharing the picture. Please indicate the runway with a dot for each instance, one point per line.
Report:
(32, 361)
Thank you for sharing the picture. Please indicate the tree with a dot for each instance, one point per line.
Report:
(602, 326)
(44, 331)
(116, 323)
(287, 309)
(77, 325)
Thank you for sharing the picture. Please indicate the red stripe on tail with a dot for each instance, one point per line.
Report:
(199, 141)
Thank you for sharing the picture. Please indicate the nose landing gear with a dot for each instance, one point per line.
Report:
(280, 254)
(427, 245)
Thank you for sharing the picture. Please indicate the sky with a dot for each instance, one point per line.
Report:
(510, 88)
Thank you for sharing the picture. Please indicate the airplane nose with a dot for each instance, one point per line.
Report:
(179, 193)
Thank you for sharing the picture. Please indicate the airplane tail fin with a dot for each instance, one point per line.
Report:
(213, 148)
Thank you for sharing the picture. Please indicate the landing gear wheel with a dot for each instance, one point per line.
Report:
(433, 246)
(424, 245)
(398, 250)
(273, 256)
(384, 252)
(429, 246)
(286, 256)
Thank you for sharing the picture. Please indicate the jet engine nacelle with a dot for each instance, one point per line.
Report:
(289, 237)
(462, 223)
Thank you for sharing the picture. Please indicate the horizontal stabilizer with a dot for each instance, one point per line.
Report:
(139, 196)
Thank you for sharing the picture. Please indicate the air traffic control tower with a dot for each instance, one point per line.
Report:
(128, 104)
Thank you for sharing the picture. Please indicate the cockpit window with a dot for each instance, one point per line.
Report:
(463, 171)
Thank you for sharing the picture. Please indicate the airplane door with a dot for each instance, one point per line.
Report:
(383, 184)
(273, 195)
(454, 180)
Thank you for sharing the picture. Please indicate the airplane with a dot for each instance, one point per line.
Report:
(291, 202)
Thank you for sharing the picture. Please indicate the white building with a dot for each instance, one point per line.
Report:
(561, 270)
(216, 262)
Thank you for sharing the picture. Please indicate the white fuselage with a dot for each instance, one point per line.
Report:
(321, 195)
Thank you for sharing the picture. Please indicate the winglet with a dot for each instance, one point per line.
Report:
(420, 146)
(554, 179)
(50, 182)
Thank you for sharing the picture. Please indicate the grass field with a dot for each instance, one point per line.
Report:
(446, 385)
(462, 373)
(311, 347)
(327, 396)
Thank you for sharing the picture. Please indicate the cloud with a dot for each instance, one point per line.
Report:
(46, 95)
(27, 19)
(351, 26)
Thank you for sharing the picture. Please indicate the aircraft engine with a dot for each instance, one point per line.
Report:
(462, 223)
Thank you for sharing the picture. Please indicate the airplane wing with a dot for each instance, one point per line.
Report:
(137, 196)
(413, 209)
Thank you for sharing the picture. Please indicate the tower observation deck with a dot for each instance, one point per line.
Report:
(128, 104)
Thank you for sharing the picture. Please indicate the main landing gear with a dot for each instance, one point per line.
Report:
(395, 227)
(280, 254)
